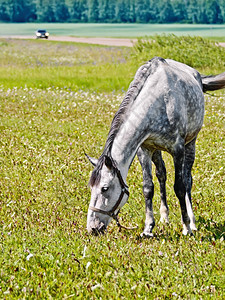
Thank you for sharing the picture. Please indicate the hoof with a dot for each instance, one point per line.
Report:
(164, 215)
(146, 235)
(187, 230)
(164, 220)
(193, 227)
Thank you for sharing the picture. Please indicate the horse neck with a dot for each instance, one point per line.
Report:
(124, 149)
(132, 130)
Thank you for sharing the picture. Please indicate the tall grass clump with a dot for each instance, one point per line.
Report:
(197, 52)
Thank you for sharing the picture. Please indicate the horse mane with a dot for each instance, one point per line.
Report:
(133, 91)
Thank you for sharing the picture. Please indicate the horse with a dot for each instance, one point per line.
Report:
(163, 110)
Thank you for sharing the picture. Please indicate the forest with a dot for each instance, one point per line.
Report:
(114, 11)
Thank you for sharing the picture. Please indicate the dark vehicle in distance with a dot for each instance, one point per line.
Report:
(42, 34)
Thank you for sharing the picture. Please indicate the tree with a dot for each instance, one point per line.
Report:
(20, 10)
(180, 11)
(166, 14)
(93, 11)
(4, 14)
(76, 13)
(201, 15)
(132, 14)
(62, 12)
(103, 11)
(49, 13)
(221, 4)
(192, 11)
(214, 14)
(143, 11)
(84, 10)
(121, 12)
(111, 10)
(154, 11)
(107, 11)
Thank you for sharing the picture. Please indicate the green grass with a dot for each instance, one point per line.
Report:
(40, 64)
(45, 251)
(113, 30)
(197, 52)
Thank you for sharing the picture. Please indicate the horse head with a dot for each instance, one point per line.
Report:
(108, 194)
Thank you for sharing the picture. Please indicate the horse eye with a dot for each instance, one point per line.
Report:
(104, 189)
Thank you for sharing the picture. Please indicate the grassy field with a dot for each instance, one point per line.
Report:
(43, 64)
(39, 64)
(47, 122)
(114, 30)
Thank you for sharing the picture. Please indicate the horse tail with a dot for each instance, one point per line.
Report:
(213, 82)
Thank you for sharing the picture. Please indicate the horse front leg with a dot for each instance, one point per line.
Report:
(161, 176)
(144, 157)
(179, 185)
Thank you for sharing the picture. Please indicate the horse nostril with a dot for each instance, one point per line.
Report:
(98, 231)
(102, 228)
(95, 231)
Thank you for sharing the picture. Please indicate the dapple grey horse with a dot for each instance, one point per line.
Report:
(163, 110)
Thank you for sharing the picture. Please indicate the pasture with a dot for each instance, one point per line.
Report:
(53, 108)
(114, 30)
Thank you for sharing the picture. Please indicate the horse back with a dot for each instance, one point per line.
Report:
(171, 102)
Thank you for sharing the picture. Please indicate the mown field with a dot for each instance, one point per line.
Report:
(114, 30)
(57, 100)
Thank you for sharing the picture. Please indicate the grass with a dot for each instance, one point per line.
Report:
(114, 30)
(197, 52)
(41, 64)
(45, 249)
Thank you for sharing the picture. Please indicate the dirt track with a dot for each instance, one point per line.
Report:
(97, 40)
(88, 40)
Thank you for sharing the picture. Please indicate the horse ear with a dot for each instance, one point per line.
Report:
(108, 162)
(92, 160)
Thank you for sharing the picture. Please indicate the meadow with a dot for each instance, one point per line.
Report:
(57, 101)
(114, 30)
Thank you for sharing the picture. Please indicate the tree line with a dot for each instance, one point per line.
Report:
(114, 11)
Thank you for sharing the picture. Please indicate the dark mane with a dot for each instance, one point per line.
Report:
(134, 89)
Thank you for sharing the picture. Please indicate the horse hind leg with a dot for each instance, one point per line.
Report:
(179, 185)
(144, 157)
(161, 176)
(189, 161)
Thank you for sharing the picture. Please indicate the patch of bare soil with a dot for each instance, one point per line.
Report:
(87, 40)
(95, 40)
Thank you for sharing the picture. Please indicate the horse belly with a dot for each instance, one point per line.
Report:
(160, 142)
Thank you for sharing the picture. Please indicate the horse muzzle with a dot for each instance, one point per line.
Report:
(98, 231)
(96, 226)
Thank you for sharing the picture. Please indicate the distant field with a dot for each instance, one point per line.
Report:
(113, 30)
